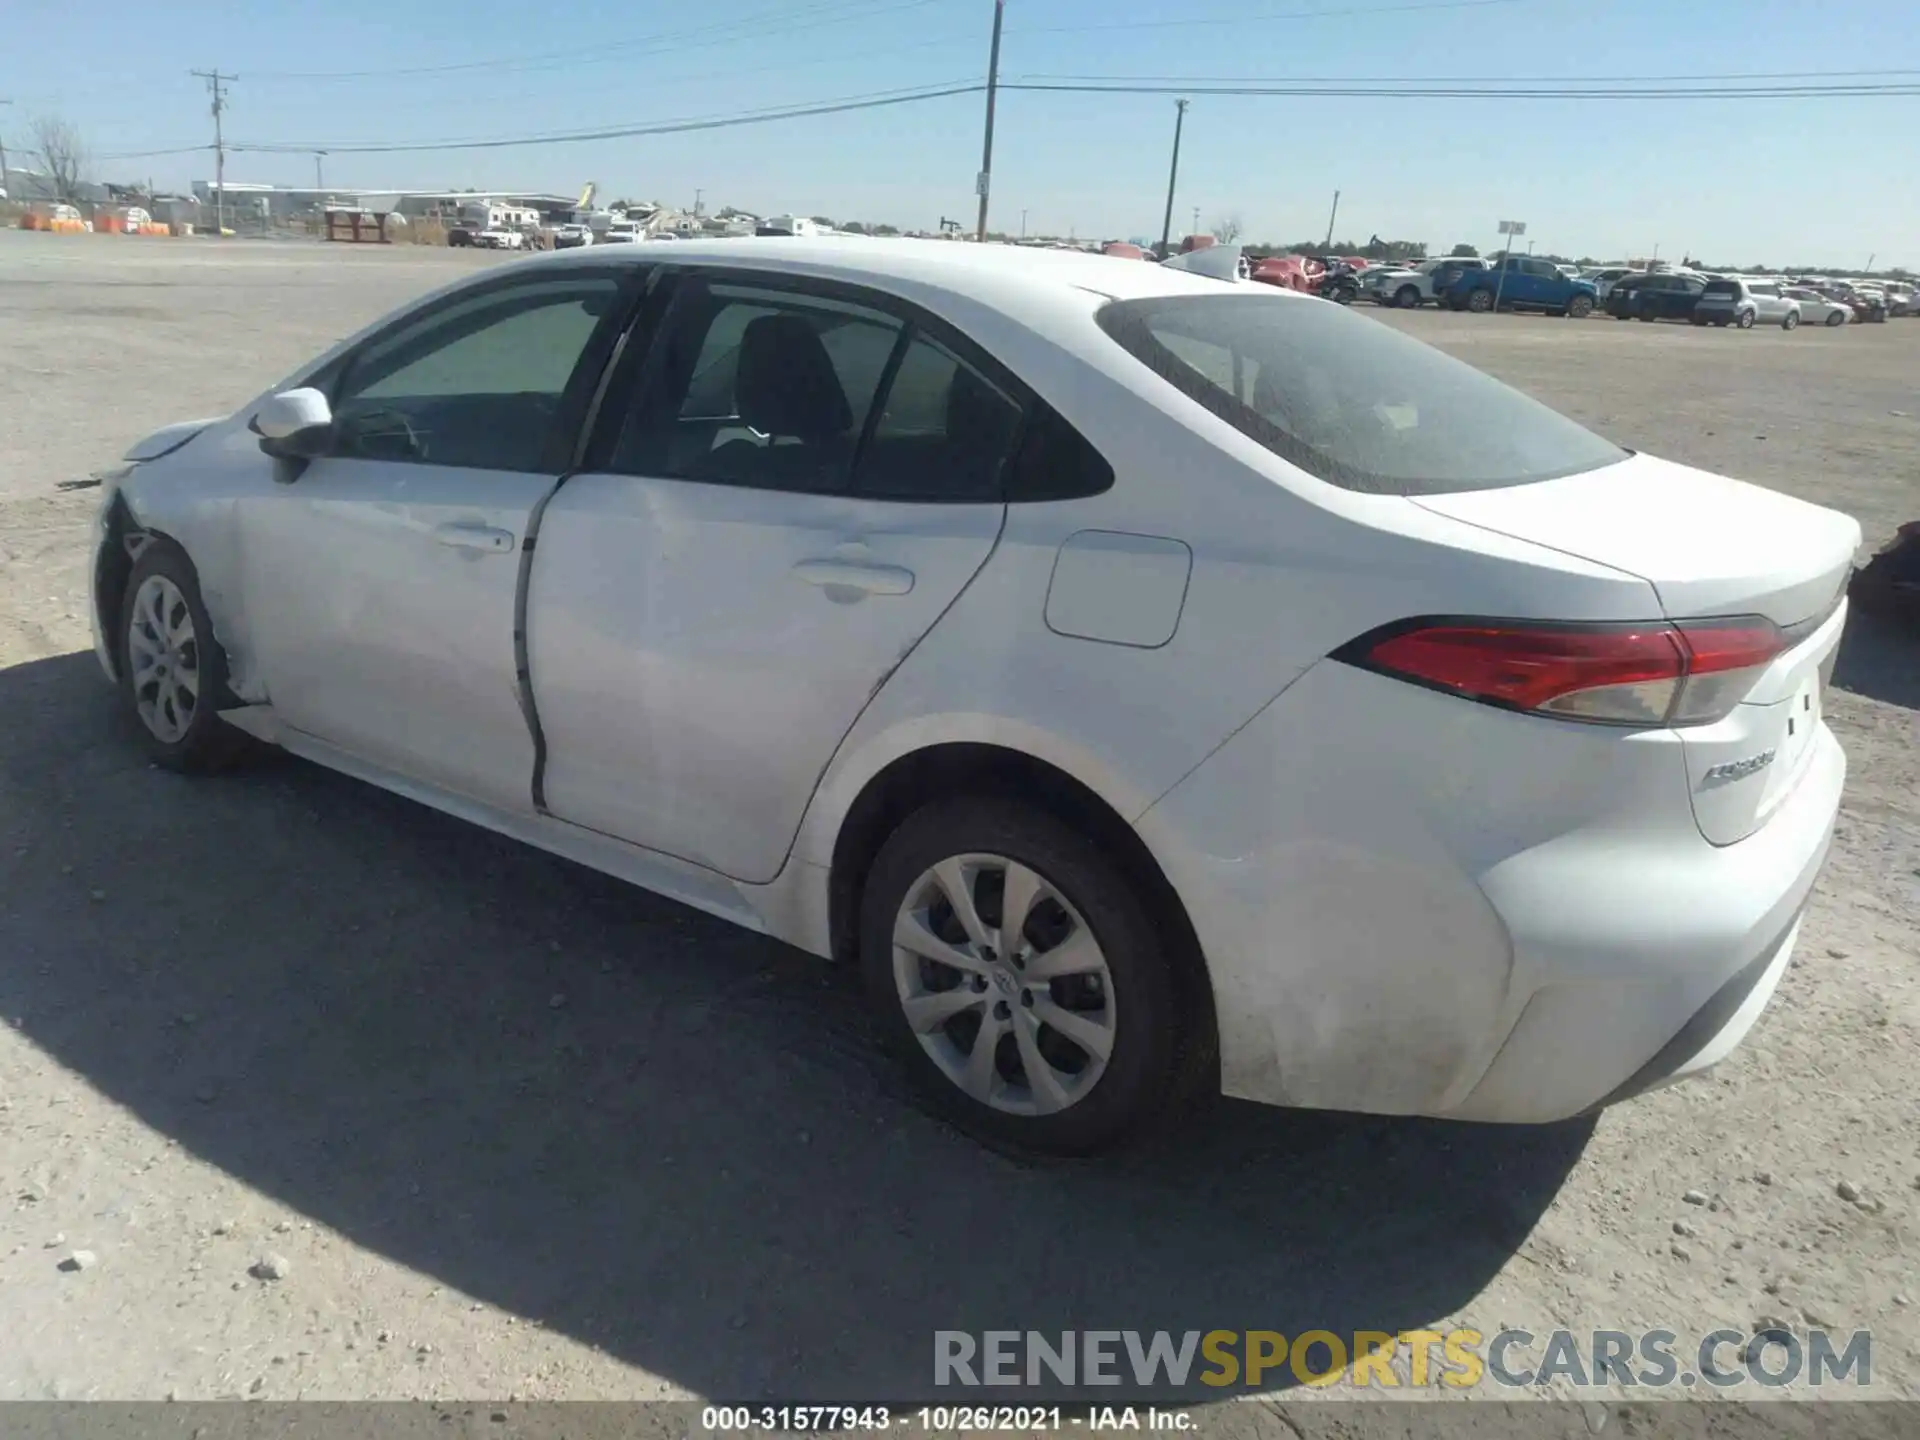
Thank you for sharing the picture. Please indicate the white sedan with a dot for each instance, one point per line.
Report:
(1154, 684)
(1816, 309)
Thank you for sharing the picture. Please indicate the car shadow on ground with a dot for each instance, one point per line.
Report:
(639, 1126)
(1880, 659)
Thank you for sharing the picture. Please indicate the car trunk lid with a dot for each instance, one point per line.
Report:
(1710, 547)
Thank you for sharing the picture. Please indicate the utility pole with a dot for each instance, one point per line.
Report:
(1196, 221)
(983, 183)
(696, 202)
(1331, 218)
(1173, 176)
(215, 85)
(319, 175)
(1023, 228)
(3, 155)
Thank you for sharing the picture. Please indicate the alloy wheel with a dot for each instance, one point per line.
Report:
(164, 653)
(1003, 984)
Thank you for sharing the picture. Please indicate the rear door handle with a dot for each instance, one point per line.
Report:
(854, 575)
(475, 537)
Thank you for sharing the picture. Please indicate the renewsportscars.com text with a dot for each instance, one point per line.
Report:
(1459, 1359)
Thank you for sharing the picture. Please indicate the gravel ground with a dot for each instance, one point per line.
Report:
(347, 1100)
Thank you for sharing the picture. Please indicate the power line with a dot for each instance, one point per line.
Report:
(153, 154)
(1093, 85)
(1479, 79)
(1260, 17)
(763, 24)
(624, 132)
(1433, 92)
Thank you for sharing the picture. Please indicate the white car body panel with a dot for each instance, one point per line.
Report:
(379, 599)
(699, 651)
(1406, 902)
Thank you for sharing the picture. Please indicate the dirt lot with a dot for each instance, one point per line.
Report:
(519, 1130)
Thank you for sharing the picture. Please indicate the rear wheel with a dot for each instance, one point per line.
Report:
(1480, 302)
(1745, 322)
(1791, 320)
(1023, 977)
(1407, 297)
(173, 673)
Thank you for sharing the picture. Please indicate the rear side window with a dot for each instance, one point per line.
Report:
(942, 433)
(1349, 400)
(761, 388)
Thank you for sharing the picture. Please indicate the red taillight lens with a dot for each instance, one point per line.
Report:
(1656, 674)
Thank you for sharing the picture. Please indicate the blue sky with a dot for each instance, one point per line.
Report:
(1825, 180)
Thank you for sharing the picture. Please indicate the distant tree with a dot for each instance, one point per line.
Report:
(1465, 252)
(1228, 229)
(886, 230)
(823, 220)
(1586, 262)
(854, 227)
(63, 154)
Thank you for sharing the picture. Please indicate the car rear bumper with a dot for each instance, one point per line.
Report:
(1412, 905)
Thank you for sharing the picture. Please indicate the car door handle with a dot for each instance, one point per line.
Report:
(854, 575)
(475, 537)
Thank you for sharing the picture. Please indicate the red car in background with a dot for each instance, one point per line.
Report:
(1290, 272)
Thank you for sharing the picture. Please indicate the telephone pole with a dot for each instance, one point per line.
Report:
(984, 183)
(319, 174)
(1335, 215)
(1173, 177)
(3, 155)
(216, 83)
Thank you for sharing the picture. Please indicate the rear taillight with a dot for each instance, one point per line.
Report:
(1654, 674)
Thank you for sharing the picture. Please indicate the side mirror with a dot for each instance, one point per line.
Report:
(294, 425)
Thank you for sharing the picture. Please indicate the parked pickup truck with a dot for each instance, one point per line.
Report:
(1520, 282)
(1413, 287)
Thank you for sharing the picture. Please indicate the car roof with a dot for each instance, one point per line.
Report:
(1002, 276)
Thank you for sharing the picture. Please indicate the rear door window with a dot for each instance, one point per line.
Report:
(1348, 399)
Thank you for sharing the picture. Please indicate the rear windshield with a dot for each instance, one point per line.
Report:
(1722, 287)
(1348, 399)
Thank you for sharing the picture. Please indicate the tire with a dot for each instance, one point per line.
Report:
(165, 635)
(1407, 297)
(1695, 320)
(1790, 321)
(1134, 1004)
(1480, 301)
(1580, 307)
(1838, 317)
(1745, 320)
(1644, 315)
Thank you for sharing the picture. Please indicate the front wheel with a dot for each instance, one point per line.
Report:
(173, 673)
(1480, 302)
(1791, 321)
(1838, 317)
(1023, 977)
(1407, 297)
(1580, 307)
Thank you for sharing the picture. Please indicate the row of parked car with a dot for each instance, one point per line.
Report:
(1522, 282)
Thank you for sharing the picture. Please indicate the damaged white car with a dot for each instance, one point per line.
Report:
(1153, 683)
